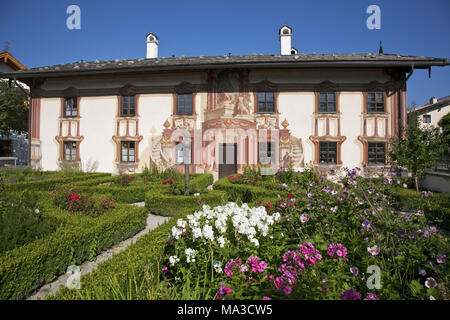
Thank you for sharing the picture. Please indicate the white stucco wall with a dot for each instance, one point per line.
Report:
(298, 109)
(351, 106)
(436, 115)
(97, 127)
(49, 125)
(154, 110)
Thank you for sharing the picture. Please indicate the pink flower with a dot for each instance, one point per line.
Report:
(266, 298)
(371, 296)
(223, 291)
(351, 295)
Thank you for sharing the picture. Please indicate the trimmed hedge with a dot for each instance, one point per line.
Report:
(161, 202)
(243, 192)
(145, 254)
(436, 207)
(48, 184)
(24, 269)
(201, 181)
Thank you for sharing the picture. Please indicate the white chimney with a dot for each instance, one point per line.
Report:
(152, 46)
(433, 100)
(285, 40)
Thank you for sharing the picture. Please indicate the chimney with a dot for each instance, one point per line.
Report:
(285, 40)
(433, 100)
(152, 46)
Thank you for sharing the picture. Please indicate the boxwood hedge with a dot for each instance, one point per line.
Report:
(79, 238)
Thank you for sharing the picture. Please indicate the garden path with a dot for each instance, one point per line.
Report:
(89, 266)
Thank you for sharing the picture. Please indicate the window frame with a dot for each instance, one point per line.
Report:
(126, 100)
(73, 154)
(265, 102)
(376, 102)
(128, 148)
(327, 101)
(376, 154)
(65, 107)
(428, 117)
(327, 152)
(9, 146)
(177, 107)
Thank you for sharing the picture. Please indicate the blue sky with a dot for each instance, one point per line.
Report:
(38, 36)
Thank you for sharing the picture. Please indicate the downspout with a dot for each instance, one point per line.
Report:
(400, 102)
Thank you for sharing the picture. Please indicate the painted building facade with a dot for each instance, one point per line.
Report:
(260, 110)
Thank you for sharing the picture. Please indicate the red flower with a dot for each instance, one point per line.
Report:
(230, 177)
(170, 182)
(256, 180)
(269, 204)
(197, 202)
(290, 195)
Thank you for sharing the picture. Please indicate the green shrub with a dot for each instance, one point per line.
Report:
(21, 221)
(242, 192)
(162, 202)
(25, 268)
(436, 206)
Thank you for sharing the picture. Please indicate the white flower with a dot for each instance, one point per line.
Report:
(181, 223)
(36, 211)
(196, 194)
(255, 242)
(176, 232)
(221, 240)
(190, 255)
(208, 232)
(196, 233)
(173, 260)
(217, 266)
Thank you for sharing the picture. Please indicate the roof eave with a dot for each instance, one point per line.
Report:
(420, 64)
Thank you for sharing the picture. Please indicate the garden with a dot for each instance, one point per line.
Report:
(287, 236)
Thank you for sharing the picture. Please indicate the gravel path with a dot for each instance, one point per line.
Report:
(88, 266)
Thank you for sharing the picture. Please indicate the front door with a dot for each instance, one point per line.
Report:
(227, 159)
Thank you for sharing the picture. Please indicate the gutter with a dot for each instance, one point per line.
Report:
(288, 64)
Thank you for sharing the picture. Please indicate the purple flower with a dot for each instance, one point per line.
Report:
(420, 213)
(351, 295)
(375, 250)
(440, 258)
(422, 272)
(224, 290)
(354, 271)
(334, 209)
(304, 218)
(430, 283)
(371, 296)
(165, 270)
(366, 224)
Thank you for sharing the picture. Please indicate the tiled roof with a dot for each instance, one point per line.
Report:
(205, 62)
(426, 106)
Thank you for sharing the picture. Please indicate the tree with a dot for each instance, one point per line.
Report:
(444, 123)
(418, 149)
(13, 109)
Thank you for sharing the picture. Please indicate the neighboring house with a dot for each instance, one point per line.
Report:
(431, 112)
(13, 148)
(327, 110)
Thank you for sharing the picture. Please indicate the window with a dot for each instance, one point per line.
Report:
(184, 104)
(128, 108)
(266, 102)
(70, 151)
(128, 154)
(376, 153)
(327, 152)
(427, 118)
(266, 152)
(327, 102)
(375, 102)
(6, 148)
(70, 107)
